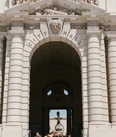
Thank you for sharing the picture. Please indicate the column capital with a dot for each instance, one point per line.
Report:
(92, 23)
(93, 32)
(17, 28)
(17, 32)
(111, 36)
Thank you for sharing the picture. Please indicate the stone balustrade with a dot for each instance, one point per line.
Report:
(15, 2)
(96, 2)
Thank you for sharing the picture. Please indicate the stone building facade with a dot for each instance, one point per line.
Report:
(57, 46)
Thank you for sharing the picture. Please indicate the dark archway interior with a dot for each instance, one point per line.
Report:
(55, 84)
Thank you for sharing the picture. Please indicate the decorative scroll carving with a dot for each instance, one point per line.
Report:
(55, 26)
(57, 10)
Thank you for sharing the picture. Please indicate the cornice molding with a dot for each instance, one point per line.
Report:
(87, 12)
(71, 4)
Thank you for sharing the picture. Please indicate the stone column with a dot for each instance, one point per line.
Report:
(1, 71)
(112, 75)
(15, 78)
(94, 78)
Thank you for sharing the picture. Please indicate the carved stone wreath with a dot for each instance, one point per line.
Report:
(55, 26)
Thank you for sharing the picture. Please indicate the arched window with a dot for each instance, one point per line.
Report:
(66, 92)
(57, 89)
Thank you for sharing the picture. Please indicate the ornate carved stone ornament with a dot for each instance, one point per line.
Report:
(57, 10)
(55, 26)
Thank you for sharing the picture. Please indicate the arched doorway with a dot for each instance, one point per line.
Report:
(55, 84)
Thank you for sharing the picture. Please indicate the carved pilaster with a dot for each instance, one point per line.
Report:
(112, 75)
(15, 77)
(94, 78)
(1, 75)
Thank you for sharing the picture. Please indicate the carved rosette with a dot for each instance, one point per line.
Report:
(55, 26)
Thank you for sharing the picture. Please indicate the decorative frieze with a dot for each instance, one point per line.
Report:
(78, 25)
(112, 27)
(19, 26)
(32, 26)
(107, 27)
(4, 28)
